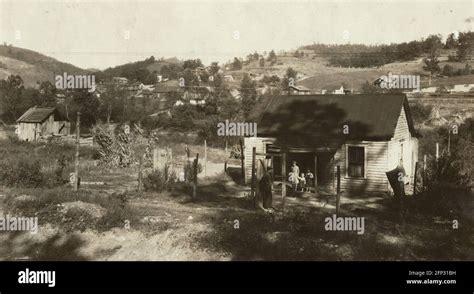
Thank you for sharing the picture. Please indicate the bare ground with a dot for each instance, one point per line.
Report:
(169, 226)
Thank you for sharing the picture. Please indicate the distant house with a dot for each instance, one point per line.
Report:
(120, 80)
(366, 136)
(300, 90)
(339, 91)
(228, 78)
(168, 87)
(135, 86)
(40, 122)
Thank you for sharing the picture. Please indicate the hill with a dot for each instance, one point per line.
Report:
(316, 73)
(32, 66)
(145, 71)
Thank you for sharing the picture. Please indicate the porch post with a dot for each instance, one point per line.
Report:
(283, 175)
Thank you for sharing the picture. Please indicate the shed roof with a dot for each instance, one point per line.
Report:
(38, 114)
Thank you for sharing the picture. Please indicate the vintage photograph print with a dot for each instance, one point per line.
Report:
(236, 130)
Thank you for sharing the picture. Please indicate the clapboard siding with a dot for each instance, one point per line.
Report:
(33, 131)
(249, 143)
(376, 165)
(403, 136)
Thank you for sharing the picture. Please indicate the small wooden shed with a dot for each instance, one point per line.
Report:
(40, 122)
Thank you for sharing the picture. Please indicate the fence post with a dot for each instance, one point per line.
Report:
(415, 177)
(424, 172)
(78, 138)
(242, 168)
(195, 171)
(437, 151)
(252, 189)
(283, 182)
(338, 188)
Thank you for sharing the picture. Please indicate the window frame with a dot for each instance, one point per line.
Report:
(347, 160)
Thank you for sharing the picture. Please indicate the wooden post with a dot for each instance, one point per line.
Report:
(195, 171)
(205, 158)
(415, 178)
(338, 188)
(171, 167)
(424, 172)
(225, 166)
(315, 175)
(186, 176)
(78, 134)
(252, 189)
(437, 151)
(140, 174)
(225, 146)
(242, 167)
(283, 182)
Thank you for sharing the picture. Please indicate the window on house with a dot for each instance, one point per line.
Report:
(356, 161)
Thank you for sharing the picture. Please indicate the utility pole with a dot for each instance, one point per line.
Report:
(78, 133)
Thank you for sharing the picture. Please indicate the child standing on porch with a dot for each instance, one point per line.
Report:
(302, 182)
(309, 180)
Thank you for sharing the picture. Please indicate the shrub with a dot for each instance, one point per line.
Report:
(159, 180)
(118, 213)
(189, 171)
(21, 172)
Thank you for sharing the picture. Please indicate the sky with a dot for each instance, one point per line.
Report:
(101, 34)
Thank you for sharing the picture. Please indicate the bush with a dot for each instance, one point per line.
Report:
(159, 180)
(118, 213)
(189, 171)
(21, 172)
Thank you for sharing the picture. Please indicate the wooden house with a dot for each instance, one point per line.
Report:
(41, 122)
(365, 135)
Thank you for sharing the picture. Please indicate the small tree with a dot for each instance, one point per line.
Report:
(237, 64)
(248, 93)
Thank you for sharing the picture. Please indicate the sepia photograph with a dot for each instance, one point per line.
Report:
(235, 130)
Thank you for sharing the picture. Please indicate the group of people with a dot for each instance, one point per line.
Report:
(300, 181)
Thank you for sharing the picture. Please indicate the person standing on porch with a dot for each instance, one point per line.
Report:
(309, 180)
(302, 180)
(294, 176)
(295, 168)
(266, 184)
